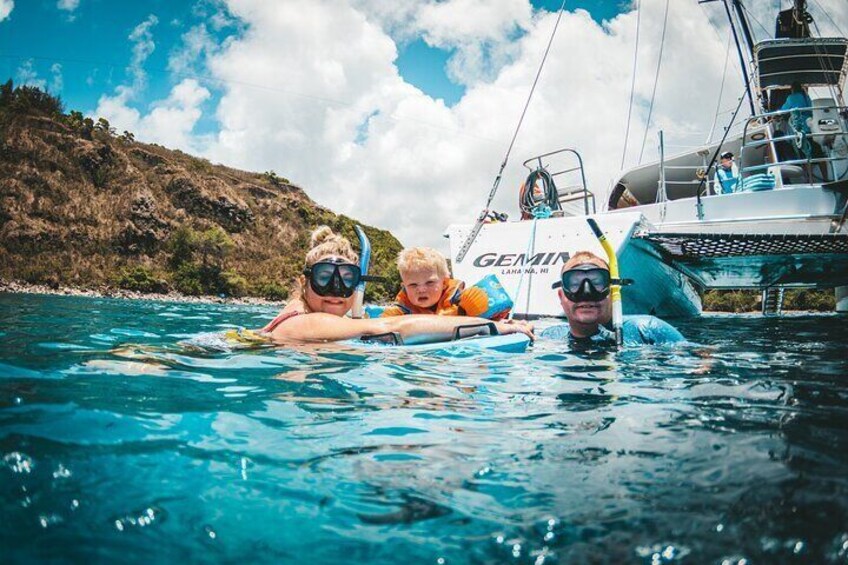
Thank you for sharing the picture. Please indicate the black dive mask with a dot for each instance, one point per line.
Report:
(331, 278)
(585, 283)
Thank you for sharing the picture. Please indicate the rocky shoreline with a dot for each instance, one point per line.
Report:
(26, 288)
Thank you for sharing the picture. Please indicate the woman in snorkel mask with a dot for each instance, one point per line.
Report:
(325, 293)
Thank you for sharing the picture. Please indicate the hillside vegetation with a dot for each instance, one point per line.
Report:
(751, 300)
(84, 206)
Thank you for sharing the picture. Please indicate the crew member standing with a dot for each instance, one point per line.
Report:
(727, 175)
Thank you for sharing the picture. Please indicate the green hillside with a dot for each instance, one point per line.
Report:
(82, 205)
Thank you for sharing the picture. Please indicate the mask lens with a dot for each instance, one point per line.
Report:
(334, 279)
(589, 285)
(599, 278)
(349, 275)
(322, 273)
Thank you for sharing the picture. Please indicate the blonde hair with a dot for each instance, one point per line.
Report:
(582, 257)
(420, 259)
(322, 243)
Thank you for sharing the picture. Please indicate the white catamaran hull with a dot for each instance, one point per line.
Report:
(527, 258)
(757, 240)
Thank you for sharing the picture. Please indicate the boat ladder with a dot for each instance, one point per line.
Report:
(773, 300)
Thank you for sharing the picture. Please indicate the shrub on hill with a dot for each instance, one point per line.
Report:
(272, 290)
(28, 100)
(751, 300)
(140, 279)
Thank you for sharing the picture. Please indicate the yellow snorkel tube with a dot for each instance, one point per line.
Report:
(615, 281)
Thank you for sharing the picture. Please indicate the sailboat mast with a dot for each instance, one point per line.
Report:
(743, 23)
(742, 62)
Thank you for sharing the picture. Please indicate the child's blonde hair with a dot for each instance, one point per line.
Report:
(420, 259)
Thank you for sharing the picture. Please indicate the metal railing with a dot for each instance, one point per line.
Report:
(794, 140)
(698, 172)
(573, 193)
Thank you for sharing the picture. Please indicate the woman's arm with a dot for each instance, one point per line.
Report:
(413, 328)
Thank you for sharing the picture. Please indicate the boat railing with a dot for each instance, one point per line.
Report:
(780, 137)
(698, 172)
(576, 192)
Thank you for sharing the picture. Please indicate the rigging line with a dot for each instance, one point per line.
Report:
(718, 148)
(747, 73)
(825, 62)
(716, 31)
(721, 89)
(656, 80)
(842, 33)
(531, 246)
(482, 217)
(527, 103)
(632, 84)
(750, 15)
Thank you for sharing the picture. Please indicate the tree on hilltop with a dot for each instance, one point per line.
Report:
(28, 100)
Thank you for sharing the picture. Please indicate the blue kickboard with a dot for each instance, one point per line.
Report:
(511, 343)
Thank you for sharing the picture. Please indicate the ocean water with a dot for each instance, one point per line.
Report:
(117, 444)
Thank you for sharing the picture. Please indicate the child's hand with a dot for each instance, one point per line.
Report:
(516, 326)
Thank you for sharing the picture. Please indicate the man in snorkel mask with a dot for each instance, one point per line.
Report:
(584, 293)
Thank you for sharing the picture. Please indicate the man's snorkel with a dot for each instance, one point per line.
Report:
(364, 260)
(615, 282)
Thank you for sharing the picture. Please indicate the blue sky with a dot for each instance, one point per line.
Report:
(90, 43)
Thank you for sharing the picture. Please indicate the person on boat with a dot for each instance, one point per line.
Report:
(799, 104)
(324, 294)
(798, 99)
(726, 178)
(429, 289)
(584, 293)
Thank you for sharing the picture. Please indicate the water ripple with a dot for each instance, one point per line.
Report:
(118, 441)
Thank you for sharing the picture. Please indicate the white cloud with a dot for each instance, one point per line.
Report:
(6, 7)
(480, 32)
(68, 5)
(143, 46)
(197, 43)
(26, 75)
(57, 83)
(311, 90)
(170, 122)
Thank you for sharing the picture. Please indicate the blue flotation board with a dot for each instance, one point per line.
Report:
(510, 343)
(240, 339)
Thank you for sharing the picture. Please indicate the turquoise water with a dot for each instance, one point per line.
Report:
(117, 444)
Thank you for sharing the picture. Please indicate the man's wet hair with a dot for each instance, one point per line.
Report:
(582, 257)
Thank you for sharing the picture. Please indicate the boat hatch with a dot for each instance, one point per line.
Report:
(813, 62)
